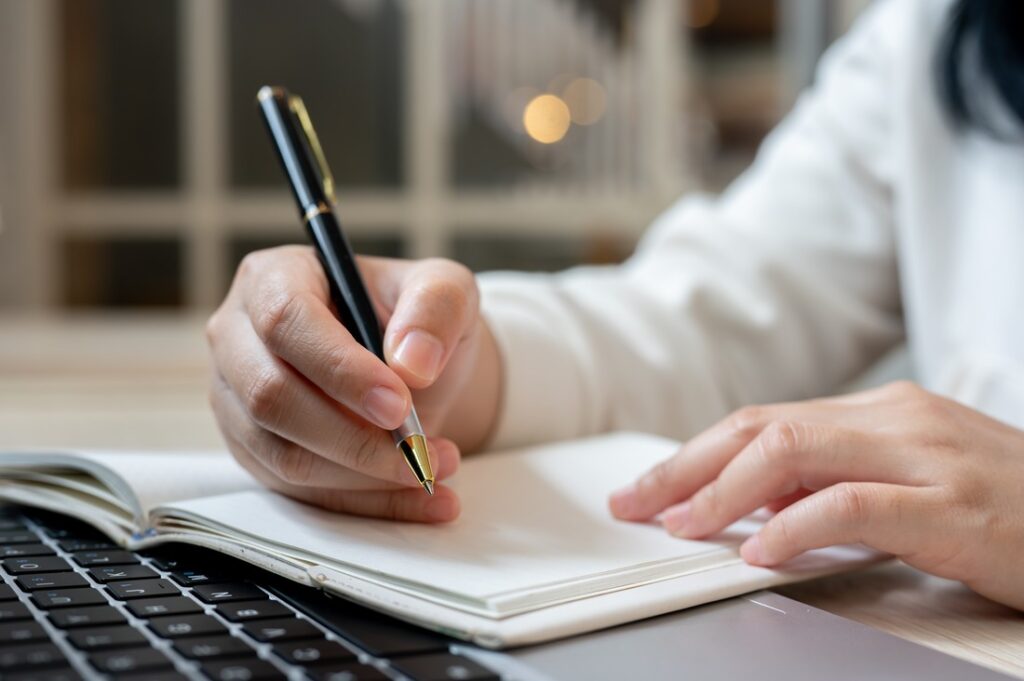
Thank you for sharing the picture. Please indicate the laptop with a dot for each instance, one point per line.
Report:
(75, 606)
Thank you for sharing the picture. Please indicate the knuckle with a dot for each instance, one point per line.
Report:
(779, 442)
(212, 328)
(747, 421)
(274, 324)
(359, 449)
(292, 465)
(903, 389)
(213, 400)
(393, 507)
(264, 397)
(852, 502)
(343, 374)
(250, 264)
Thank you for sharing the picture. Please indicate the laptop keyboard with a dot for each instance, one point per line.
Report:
(74, 606)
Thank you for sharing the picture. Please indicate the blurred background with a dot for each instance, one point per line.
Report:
(526, 134)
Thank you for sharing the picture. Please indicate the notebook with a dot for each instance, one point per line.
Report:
(535, 555)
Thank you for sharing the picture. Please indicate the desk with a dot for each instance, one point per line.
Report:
(140, 382)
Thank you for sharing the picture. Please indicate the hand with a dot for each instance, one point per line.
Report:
(307, 410)
(897, 468)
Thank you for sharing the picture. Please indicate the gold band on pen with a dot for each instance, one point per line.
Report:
(318, 209)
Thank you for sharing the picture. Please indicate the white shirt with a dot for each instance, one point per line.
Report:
(864, 220)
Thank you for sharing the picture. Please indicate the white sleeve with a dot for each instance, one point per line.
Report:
(783, 288)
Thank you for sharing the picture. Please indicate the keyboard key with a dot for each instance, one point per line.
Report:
(443, 667)
(76, 532)
(220, 593)
(19, 550)
(11, 524)
(11, 612)
(91, 558)
(384, 638)
(70, 618)
(241, 670)
(77, 544)
(194, 577)
(51, 580)
(102, 638)
(213, 647)
(183, 626)
(126, 591)
(67, 598)
(21, 632)
(21, 566)
(54, 524)
(346, 671)
(285, 629)
(168, 563)
(117, 573)
(7, 593)
(19, 537)
(313, 652)
(378, 635)
(62, 674)
(253, 610)
(131, 660)
(153, 676)
(23, 658)
(158, 607)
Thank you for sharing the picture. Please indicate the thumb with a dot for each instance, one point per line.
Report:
(437, 305)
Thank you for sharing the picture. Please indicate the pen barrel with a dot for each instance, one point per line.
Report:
(348, 291)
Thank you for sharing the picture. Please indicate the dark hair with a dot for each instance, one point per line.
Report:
(984, 43)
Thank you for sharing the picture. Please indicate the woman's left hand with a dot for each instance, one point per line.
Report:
(899, 469)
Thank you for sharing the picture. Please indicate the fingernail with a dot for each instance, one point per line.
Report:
(385, 407)
(676, 518)
(442, 509)
(621, 500)
(751, 552)
(420, 352)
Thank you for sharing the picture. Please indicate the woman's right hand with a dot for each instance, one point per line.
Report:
(307, 410)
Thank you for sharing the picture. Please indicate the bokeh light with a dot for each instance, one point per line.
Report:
(547, 118)
(586, 99)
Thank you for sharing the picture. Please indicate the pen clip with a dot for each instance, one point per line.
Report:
(297, 106)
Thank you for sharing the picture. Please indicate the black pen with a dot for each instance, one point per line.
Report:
(302, 158)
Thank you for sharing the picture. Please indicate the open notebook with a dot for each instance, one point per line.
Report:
(534, 556)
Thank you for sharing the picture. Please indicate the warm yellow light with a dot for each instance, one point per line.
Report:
(702, 13)
(546, 119)
(586, 99)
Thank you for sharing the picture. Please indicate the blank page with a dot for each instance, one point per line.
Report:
(531, 519)
(159, 477)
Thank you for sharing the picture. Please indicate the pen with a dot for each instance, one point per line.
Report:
(302, 159)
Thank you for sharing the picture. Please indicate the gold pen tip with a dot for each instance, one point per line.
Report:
(414, 448)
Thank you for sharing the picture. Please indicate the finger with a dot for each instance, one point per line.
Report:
(412, 505)
(895, 519)
(698, 462)
(436, 308)
(782, 502)
(277, 399)
(297, 465)
(703, 458)
(288, 307)
(783, 458)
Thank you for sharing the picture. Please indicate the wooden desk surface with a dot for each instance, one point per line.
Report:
(140, 382)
